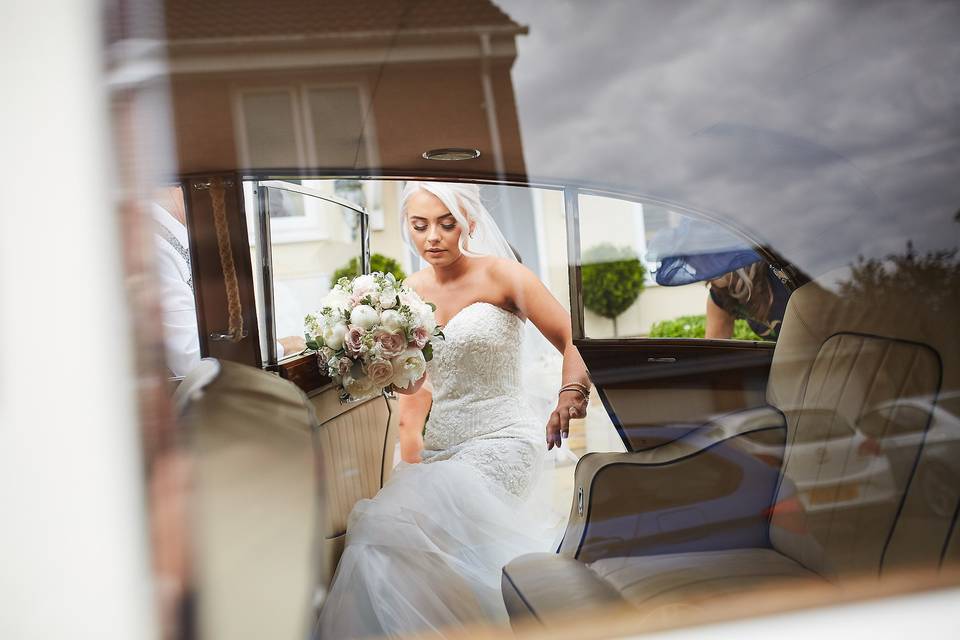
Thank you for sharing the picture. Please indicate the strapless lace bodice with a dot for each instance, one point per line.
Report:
(475, 374)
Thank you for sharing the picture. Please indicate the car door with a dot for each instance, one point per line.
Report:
(642, 335)
(640, 273)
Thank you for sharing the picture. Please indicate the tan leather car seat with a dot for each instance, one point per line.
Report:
(257, 512)
(276, 476)
(356, 444)
(866, 363)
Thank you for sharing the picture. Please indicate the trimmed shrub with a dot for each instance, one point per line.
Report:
(613, 278)
(696, 327)
(378, 262)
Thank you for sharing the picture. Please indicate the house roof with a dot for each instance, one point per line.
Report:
(237, 19)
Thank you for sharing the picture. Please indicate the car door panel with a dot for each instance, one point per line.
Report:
(657, 390)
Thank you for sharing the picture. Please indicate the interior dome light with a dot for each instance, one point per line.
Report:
(451, 153)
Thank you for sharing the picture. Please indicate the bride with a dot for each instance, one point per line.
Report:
(425, 554)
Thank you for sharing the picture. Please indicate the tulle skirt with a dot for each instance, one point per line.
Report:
(426, 554)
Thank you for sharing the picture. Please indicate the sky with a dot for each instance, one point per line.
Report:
(828, 129)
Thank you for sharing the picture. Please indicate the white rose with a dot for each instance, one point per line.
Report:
(388, 298)
(336, 298)
(409, 298)
(408, 367)
(427, 318)
(364, 316)
(333, 335)
(363, 284)
(391, 320)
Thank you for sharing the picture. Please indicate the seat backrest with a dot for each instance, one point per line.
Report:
(859, 381)
(356, 444)
(258, 507)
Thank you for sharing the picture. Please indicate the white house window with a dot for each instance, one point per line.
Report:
(292, 126)
(268, 127)
(335, 122)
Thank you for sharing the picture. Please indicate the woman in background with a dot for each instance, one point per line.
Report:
(751, 293)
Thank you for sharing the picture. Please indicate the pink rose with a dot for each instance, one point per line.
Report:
(420, 337)
(353, 341)
(392, 343)
(380, 372)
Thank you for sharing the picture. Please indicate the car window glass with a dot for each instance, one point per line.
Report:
(310, 239)
(667, 274)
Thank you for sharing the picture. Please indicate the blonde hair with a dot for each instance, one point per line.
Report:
(748, 288)
(462, 200)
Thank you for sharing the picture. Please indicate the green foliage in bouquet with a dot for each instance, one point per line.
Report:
(378, 262)
(613, 278)
(696, 327)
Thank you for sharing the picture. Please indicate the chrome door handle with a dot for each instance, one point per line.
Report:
(668, 360)
(224, 336)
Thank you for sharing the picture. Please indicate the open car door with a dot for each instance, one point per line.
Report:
(660, 380)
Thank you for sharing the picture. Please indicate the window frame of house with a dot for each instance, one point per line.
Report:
(367, 125)
(309, 227)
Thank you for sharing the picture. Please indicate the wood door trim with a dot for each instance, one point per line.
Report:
(304, 371)
(208, 279)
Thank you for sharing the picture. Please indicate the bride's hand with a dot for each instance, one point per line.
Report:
(570, 405)
(412, 389)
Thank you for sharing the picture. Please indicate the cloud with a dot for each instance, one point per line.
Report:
(831, 129)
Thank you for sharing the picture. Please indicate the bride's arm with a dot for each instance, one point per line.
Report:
(536, 302)
(413, 414)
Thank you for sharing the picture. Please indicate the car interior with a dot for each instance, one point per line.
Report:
(731, 466)
(726, 483)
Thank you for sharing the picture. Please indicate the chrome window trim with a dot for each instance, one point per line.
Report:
(264, 250)
(571, 190)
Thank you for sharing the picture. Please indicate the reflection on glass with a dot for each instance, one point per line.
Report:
(175, 278)
(336, 121)
(306, 250)
(620, 292)
(269, 132)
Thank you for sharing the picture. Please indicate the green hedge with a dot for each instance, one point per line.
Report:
(378, 262)
(696, 327)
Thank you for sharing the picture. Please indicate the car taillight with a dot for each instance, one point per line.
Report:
(869, 447)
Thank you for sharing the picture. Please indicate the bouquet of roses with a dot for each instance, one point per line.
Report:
(372, 333)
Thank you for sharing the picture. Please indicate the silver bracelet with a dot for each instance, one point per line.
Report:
(584, 394)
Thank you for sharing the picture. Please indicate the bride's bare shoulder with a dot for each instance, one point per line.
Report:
(505, 268)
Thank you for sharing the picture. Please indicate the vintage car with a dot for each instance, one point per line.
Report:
(221, 164)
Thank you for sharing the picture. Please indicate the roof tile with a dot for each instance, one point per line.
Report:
(201, 19)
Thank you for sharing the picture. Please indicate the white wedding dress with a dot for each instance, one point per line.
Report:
(425, 555)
